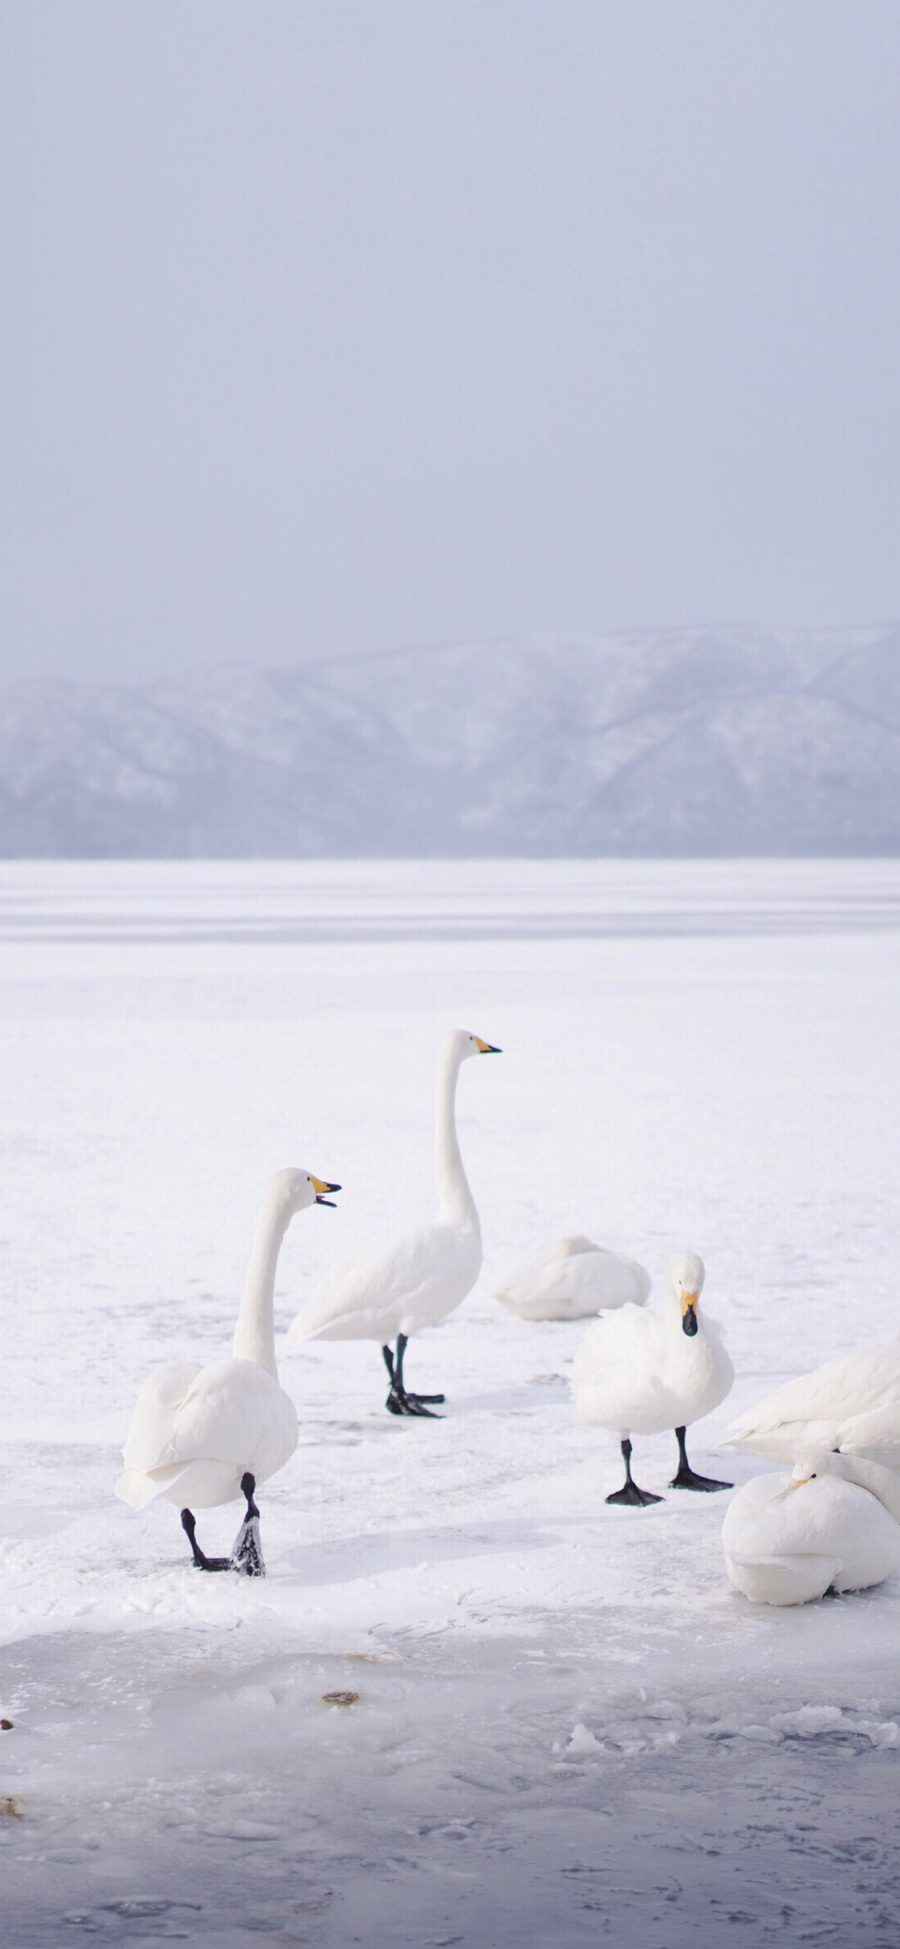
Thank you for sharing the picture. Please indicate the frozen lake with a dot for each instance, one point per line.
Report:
(567, 1727)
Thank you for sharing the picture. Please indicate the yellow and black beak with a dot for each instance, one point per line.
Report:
(689, 1313)
(320, 1187)
(487, 1048)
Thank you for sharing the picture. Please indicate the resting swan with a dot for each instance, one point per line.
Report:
(394, 1290)
(639, 1373)
(833, 1524)
(206, 1435)
(574, 1281)
(853, 1403)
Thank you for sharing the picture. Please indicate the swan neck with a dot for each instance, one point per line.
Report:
(254, 1335)
(454, 1196)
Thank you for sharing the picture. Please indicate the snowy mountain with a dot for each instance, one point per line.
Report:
(656, 742)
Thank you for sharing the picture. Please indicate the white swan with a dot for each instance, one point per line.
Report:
(206, 1435)
(639, 1373)
(392, 1291)
(834, 1524)
(853, 1402)
(574, 1281)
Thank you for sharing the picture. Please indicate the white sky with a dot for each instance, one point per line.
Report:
(330, 326)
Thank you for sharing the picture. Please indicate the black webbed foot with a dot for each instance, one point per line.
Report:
(630, 1496)
(201, 1562)
(633, 1497)
(687, 1479)
(399, 1402)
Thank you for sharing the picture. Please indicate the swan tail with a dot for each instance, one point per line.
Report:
(140, 1487)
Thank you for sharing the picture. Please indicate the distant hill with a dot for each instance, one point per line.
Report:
(647, 742)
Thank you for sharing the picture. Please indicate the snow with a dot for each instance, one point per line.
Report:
(566, 1725)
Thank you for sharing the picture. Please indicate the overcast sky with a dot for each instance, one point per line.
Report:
(333, 324)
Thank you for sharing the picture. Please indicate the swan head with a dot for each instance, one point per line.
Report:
(462, 1045)
(687, 1274)
(293, 1190)
(811, 1466)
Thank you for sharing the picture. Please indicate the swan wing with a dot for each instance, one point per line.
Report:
(782, 1581)
(230, 1412)
(815, 1406)
(225, 1415)
(551, 1287)
(874, 1433)
(750, 1560)
(619, 1370)
(156, 1412)
(627, 1338)
(575, 1281)
(370, 1295)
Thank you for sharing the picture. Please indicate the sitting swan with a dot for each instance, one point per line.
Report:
(834, 1524)
(206, 1435)
(639, 1373)
(575, 1281)
(391, 1291)
(852, 1403)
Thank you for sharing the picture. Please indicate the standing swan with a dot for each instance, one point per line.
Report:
(639, 1373)
(206, 1435)
(392, 1291)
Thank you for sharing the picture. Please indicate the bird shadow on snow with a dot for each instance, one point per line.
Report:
(387, 1551)
(322, 1430)
(512, 1400)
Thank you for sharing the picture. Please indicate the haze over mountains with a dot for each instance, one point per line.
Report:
(690, 741)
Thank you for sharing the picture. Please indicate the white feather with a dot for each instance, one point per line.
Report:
(196, 1430)
(574, 1281)
(850, 1403)
(414, 1281)
(638, 1373)
(789, 1538)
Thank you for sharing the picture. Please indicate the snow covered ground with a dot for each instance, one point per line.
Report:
(567, 1728)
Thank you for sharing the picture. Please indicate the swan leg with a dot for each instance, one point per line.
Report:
(631, 1495)
(201, 1562)
(247, 1557)
(398, 1400)
(686, 1478)
(402, 1344)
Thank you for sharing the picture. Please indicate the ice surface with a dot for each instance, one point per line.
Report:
(567, 1726)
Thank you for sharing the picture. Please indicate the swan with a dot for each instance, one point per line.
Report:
(639, 1373)
(833, 1524)
(391, 1291)
(575, 1280)
(205, 1435)
(853, 1402)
